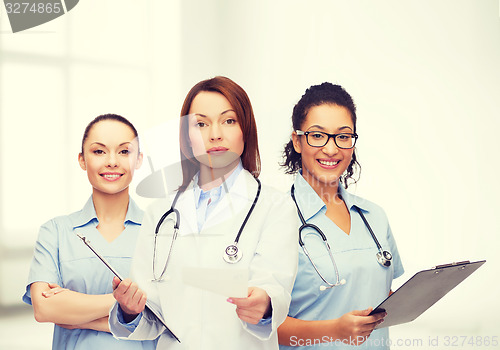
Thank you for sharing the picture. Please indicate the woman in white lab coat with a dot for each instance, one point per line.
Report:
(221, 164)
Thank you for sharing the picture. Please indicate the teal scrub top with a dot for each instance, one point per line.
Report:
(61, 257)
(367, 282)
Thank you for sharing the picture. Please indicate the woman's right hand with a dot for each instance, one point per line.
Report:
(352, 328)
(132, 300)
(356, 326)
(54, 289)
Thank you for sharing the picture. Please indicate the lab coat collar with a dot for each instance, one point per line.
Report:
(224, 187)
(242, 185)
(310, 203)
(231, 204)
(239, 197)
(87, 214)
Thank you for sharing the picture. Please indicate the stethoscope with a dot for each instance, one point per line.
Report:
(383, 256)
(232, 254)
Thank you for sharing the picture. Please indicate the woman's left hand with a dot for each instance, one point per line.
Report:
(54, 289)
(254, 307)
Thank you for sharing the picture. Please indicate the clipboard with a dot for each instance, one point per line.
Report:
(148, 305)
(422, 291)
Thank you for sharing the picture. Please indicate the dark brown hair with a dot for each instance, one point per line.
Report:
(317, 95)
(103, 117)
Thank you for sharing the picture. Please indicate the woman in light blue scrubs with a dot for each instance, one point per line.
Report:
(68, 285)
(332, 299)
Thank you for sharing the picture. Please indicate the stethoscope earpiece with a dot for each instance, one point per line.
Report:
(340, 283)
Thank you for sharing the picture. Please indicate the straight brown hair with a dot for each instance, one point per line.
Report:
(240, 102)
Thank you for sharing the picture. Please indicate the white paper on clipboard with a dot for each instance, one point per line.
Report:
(226, 282)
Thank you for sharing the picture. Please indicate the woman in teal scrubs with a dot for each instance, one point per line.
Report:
(332, 310)
(67, 284)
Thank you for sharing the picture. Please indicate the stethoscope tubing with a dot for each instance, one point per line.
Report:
(174, 237)
(230, 259)
(369, 229)
(383, 257)
(256, 198)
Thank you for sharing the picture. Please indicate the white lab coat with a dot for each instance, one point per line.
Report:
(202, 319)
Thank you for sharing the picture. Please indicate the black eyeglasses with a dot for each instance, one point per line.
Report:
(320, 139)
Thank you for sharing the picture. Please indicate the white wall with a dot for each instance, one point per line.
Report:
(424, 74)
(426, 79)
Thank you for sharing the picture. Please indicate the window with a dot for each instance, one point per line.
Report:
(56, 78)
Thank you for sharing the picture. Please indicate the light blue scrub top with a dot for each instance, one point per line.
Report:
(61, 257)
(367, 282)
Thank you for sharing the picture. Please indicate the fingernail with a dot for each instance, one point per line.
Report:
(229, 300)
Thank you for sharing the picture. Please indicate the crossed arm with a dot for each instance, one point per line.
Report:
(70, 309)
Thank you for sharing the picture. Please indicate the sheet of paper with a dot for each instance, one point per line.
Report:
(227, 282)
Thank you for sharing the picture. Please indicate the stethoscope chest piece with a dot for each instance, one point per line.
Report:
(384, 258)
(232, 254)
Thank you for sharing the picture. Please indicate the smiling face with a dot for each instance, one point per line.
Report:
(323, 166)
(214, 133)
(110, 156)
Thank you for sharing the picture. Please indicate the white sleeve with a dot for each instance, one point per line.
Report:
(274, 265)
(142, 272)
(146, 329)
